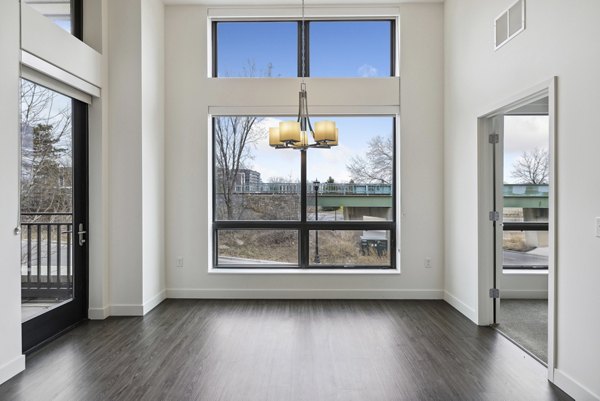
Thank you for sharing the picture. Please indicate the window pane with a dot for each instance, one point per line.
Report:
(349, 248)
(257, 49)
(257, 247)
(526, 169)
(46, 199)
(59, 11)
(356, 177)
(252, 180)
(350, 48)
(525, 249)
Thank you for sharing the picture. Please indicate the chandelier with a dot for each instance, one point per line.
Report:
(295, 134)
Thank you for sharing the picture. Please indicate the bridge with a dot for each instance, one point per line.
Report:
(334, 195)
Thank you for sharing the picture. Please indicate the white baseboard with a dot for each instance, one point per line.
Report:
(127, 310)
(461, 306)
(195, 293)
(12, 368)
(154, 301)
(573, 388)
(98, 313)
(523, 294)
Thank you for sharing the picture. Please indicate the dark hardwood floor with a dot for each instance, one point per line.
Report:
(283, 350)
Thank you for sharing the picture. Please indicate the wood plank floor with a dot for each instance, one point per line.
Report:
(283, 350)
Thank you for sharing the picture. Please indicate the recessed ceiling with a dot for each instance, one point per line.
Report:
(245, 3)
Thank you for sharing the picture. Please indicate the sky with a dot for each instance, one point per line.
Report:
(354, 136)
(523, 133)
(337, 48)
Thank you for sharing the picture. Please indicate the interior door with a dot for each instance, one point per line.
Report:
(53, 213)
(497, 141)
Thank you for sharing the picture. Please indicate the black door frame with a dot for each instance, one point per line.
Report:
(44, 328)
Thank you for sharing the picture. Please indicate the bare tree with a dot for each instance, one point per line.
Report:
(46, 151)
(531, 167)
(234, 136)
(377, 164)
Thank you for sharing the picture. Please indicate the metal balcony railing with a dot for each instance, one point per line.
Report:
(46, 255)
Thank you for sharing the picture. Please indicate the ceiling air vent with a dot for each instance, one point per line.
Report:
(509, 24)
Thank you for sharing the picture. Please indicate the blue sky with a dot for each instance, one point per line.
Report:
(354, 136)
(337, 49)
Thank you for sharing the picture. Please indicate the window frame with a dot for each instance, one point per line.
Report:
(304, 226)
(393, 21)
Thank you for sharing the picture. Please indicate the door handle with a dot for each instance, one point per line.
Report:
(81, 234)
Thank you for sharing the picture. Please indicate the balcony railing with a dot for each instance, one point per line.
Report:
(324, 189)
(46, 255)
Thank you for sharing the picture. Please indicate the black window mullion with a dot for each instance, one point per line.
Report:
(306, 48)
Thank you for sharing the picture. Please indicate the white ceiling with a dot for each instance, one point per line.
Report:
(246, 3)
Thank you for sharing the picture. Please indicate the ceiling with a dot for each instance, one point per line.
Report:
(246, 3)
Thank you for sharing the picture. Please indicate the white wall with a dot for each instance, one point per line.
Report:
(125, 149)
(11, 360)
(96, 35)
(560, 39)
(189, 94)
(136, 148)
(153, 146)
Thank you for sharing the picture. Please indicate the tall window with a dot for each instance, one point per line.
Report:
(67, 14)
(363, 48)
(347, 218)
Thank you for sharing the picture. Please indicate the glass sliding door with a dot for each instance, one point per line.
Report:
(53, 212)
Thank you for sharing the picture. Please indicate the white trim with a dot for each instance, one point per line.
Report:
(52, 77)
(99, 313)
(573, 388)
(546, 88)
(294, 12)
(12, 368)
(523, 294)
(278, 110)
(127, 310)
(525, 272)
(334, 272)
(460, 306)
(195, 293)
(154, 301)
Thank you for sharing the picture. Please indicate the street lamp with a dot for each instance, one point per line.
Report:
(316, 184)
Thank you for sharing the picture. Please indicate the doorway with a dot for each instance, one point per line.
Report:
(517, 221)
(53, 213)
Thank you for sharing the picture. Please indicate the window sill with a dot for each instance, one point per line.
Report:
(305, 271)
(514, 272)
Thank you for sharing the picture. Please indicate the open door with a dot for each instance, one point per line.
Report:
(521, 143)
(53, 213)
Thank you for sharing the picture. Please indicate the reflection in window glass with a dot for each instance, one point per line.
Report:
(351, 48)
(257, 49)
(257, 247)
(59, 11)
(252, 180)
(350, 248)
(356, 177)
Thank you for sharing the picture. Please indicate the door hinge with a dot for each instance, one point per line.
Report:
(494, 138)
(494, 293)
(494, 215)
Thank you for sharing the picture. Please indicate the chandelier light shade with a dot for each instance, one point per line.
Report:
(289, 131)
(274, 138)
(325, 131)
(296, 134)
